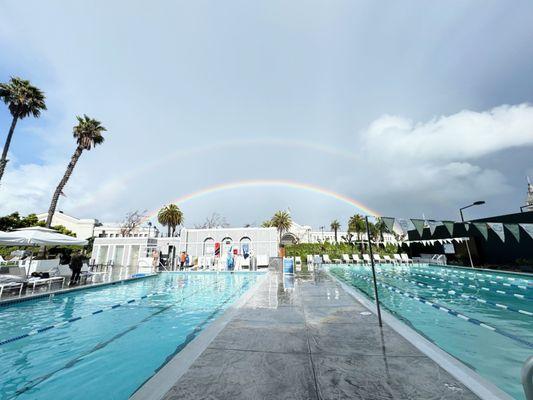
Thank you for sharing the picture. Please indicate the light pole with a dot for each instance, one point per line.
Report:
(322, 230)
(475, 203)
(149, 228)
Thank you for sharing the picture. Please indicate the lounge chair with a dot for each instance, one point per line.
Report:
(326, 259)
(389, 260)
(398, 259)
(356, 259)
(406, 259)
(346, 258)
(378, 259)
(309, 259)
(367, 259)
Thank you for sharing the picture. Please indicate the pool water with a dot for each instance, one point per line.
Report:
(127, 332)
(482, 318)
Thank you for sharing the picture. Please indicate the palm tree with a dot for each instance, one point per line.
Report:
(281, 220)
(380, 228)
(356, 224)
(88, 134)
(335, 226)
(266, 224)
(22, 99)
(170, 216)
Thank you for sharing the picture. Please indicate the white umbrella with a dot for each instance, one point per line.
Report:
(38, 236)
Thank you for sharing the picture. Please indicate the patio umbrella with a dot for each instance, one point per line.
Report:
(38, 236)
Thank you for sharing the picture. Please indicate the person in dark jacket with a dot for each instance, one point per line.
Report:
(76, 262)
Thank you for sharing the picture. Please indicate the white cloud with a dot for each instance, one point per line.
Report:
(467, 134)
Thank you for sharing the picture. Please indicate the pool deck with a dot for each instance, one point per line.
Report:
(313, 340)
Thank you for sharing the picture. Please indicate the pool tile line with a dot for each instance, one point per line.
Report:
(445, 278)
(528, 285)
(463, 295)
(449, 311)
(470, 286)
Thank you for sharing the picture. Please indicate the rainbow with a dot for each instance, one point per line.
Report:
(267, 183)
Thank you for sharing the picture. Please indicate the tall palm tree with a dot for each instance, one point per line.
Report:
(380, 228)
(170, 216)
(281, 220)
(356, 224)
(22, 99)
(335, 226)
(88, 134)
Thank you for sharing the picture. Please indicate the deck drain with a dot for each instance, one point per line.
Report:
(365, 313)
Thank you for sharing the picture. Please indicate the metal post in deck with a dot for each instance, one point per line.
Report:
(373, 270)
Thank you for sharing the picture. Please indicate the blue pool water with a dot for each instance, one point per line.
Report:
(482, 318)
(107, 354)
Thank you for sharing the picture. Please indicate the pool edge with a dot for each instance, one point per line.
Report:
(472, 380)
(160, 383)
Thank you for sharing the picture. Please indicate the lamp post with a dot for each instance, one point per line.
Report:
(322, 230)
(376, 295)
(475, 203)
(149, 228)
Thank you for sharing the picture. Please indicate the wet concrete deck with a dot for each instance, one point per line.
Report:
(312, 341)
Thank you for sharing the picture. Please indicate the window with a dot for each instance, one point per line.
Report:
(209, 246)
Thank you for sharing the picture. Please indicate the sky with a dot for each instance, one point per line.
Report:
(411, 108)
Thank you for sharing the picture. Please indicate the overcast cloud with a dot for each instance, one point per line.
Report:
(410, 107)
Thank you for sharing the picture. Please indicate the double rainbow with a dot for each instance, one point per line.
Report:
(269, 183)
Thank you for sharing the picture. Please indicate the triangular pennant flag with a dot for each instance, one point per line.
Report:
(440, 241)
(482, 228)
(497, 228)
(405, 225)
(515, 230)
(528, 228)
(389, 223)
(449, 226)
(433, 225)
(419, 225)
(467, 226)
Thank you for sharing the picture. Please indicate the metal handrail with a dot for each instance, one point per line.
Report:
(527, 378)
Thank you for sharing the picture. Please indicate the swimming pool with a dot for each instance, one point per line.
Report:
(125, 334)
(482, 318)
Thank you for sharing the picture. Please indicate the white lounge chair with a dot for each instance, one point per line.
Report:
(387, 259)
(309, 259)
(367, 259)
(346, 258)
(326, 259)
(378, 259)
(356, 259)
(398, 259)
(406, 259)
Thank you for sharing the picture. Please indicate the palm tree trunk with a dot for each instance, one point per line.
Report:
(3, 160)
(62, 184)
(168, 230)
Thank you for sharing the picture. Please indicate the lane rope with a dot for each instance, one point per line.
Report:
(463, 295)
(447, 310)
(89, 314)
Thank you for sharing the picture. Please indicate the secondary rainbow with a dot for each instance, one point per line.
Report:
(266, 183)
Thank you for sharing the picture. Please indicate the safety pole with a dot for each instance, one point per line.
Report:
(373, 270)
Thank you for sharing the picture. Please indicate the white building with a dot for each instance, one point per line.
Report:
(87, 228)
(216, 242)
(83, 228)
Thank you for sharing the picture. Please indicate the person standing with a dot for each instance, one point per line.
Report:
(183, 258)
(76, 262)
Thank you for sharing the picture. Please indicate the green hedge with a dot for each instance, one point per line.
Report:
(335, 250)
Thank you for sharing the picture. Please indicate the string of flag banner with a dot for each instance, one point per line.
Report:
(502, 230)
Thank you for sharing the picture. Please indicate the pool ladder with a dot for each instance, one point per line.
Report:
(527, 378)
